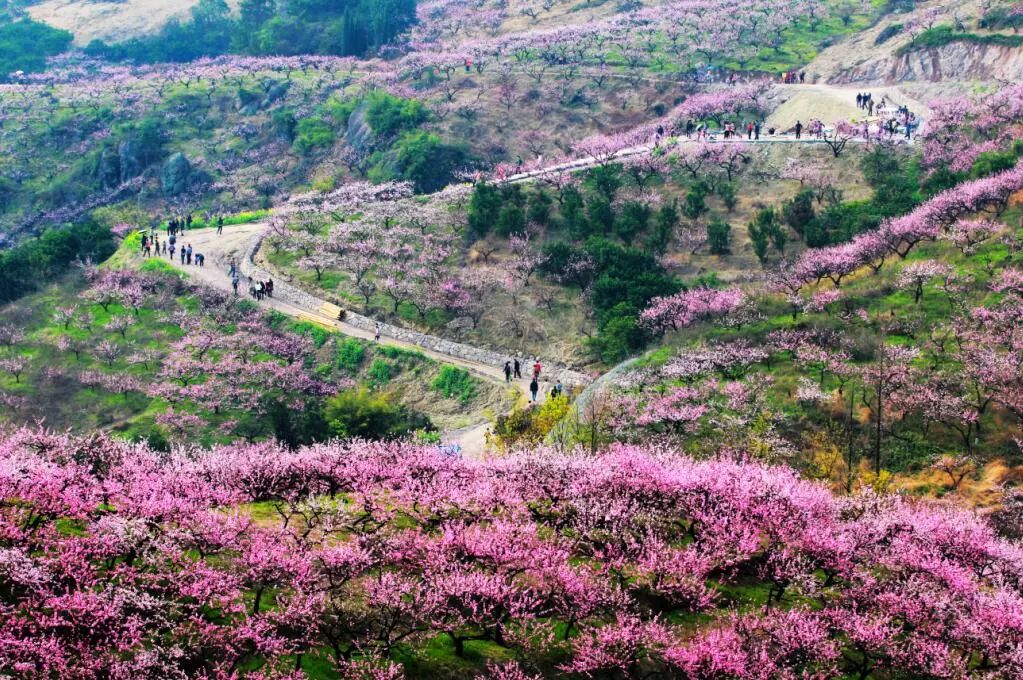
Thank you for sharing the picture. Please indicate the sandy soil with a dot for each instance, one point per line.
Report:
(831, 103)
(111, 21)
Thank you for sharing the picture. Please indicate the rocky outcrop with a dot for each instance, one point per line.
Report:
(130, 158)
(959, 61)
(359, 135)
(108, 169)
(175, 174)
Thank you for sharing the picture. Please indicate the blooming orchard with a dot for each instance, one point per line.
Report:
(149, 564)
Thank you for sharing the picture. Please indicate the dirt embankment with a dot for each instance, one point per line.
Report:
(878, 55)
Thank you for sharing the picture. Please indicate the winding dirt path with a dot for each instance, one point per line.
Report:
(235, 244)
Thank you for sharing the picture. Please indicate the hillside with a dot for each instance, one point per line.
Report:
(110, 21)
(511, 340)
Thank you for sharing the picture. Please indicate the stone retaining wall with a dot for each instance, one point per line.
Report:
(294, 295)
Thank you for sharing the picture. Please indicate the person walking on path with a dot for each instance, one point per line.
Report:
(749, 130)
(234, 283)
(220, 225)
(188, 256)
(799, 129)
(507, 371)
(376, 334)
(518, 369)
(534, 387)
(536, 369)
(269, 287)
(756, 130)
(182, 256)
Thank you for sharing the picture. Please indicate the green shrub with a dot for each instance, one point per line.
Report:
(424, 159)
(389, 115)
(313, 133)
(38, 260)
(368, 415)
(156, 265)
(400, 353)
(318, 334)
(455, 382)
(719, 236)
(350, 353)
(380, 372)
(939, 36)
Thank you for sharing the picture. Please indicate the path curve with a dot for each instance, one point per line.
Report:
(239, 244)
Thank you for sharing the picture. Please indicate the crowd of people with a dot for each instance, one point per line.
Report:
(151, 246)
(178, 225)
(893, 121)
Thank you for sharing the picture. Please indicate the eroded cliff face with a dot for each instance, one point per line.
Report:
(954, 62)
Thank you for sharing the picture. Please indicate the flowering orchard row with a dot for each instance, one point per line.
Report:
(117, 561)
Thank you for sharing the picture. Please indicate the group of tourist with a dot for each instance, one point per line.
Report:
(865, 102)
(188, 257)
(513, 371)
(793, 77)
(177, 225)
(814, 129)
(151, 245)
(257, 289)
(893, 121)
(260, 289)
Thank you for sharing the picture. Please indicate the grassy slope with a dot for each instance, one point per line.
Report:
(880, 296)
(63, 402)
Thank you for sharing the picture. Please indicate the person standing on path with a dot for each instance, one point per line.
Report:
(234, 283)
(376, 334)
(756, 130)
(536, 369)
(507, 371)
(220, 225)
(534, 387)
(182, 255)
(188, 256)
(799, 129)
(518, 369)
